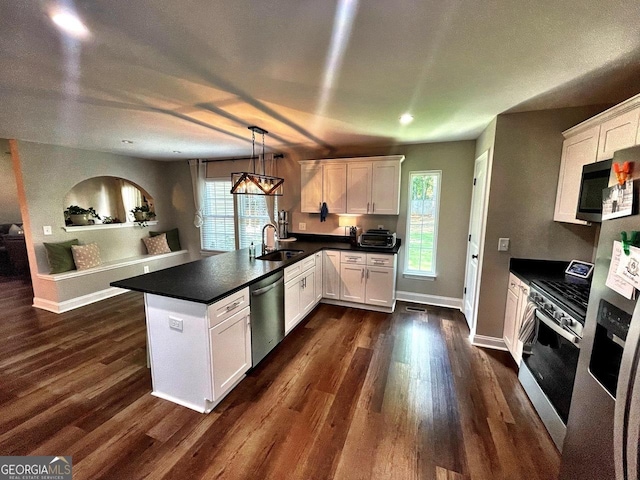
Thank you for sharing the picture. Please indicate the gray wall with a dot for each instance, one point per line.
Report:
(49, 172)
(526, 164)
(9, 205)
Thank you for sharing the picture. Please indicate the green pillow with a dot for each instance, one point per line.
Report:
(60, 257)
(173, 239)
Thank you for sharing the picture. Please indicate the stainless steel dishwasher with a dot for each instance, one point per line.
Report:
(267, 315)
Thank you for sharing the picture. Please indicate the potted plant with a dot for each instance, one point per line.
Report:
(80, 216)
(143, 213)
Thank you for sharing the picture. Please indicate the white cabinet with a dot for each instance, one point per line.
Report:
(517, 299)
(198, 353)
(618, 133)
(331, 274)
(230, 346)
(319, 283)
(299, 292)
(323, 183)
(368, 278)
(577, 150)
(366, 185)
(374, 187)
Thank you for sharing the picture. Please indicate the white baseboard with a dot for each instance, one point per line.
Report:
(65, 306)
(363, 306)
(427, 299)
(488, 342)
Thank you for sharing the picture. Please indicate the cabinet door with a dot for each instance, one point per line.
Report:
(310, 188)
(292, 307)
(576, 152)
(359, 188)
(308, 292)
(618, 133)
(331, 274)
(318, 282)
(510, 313)
(385, 188)
(230, 344)
(380, 286)
(334, 187)
(352, 283)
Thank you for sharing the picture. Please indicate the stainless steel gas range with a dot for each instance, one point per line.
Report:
(548, 367)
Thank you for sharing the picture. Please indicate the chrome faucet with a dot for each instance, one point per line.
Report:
(265, 249)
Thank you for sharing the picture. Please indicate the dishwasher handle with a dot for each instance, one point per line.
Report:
(262, 291)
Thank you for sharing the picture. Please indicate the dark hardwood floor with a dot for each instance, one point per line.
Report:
(348, 395)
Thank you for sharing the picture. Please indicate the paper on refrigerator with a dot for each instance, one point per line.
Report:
(624, 271)
(616, 282)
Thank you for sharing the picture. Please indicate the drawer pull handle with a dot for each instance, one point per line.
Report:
(232, 306)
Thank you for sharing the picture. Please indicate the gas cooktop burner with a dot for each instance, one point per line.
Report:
(573, 295)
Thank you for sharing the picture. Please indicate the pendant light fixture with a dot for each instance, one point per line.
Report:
(247, 183)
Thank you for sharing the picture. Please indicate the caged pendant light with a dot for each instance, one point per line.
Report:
(247, 183)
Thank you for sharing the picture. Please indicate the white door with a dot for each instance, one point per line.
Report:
(476, 223)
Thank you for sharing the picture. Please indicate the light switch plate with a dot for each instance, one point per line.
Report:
(47, 230)
(145, 269)
(302, 226)
(503, 244)
(175, 323)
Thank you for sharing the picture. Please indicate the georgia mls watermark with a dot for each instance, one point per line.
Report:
(35, 468)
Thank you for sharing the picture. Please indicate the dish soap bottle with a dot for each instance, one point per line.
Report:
(252, 251)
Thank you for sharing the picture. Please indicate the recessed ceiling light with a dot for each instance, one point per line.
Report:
(70, 23)
(127, 141)
(177, 151)
(406, 118)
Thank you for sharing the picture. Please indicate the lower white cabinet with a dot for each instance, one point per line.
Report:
(381, 284)
(353, 282)
(331, 274)
(299, 295)
(319, 283)
(368, 278)
(198, 352)
(517, 299)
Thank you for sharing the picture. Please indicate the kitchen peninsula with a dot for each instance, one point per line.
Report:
(199, 314)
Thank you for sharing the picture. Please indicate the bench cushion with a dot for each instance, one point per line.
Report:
(157, 245)
(173, 239)
(86, 256)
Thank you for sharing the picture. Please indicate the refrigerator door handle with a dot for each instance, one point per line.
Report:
(626, 425)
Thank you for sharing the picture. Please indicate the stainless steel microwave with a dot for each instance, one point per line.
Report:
(595, 178)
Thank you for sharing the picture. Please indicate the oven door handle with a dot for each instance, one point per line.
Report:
(558, 329)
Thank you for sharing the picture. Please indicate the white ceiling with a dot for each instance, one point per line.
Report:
(191, 75)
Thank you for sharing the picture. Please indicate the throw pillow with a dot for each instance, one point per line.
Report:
(60, 257)
(86, 256)
(15, 230)
(173, 239)
(157, 245)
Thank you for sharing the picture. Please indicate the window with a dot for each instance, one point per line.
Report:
(422, 223)
(219, 231)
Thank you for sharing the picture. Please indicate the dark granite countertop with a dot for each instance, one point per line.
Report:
(212, 278)
(529, 270)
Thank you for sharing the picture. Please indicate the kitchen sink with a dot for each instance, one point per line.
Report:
(280, 255)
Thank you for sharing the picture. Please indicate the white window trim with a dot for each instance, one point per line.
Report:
(416, 275)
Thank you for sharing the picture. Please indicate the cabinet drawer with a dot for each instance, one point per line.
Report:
(514, 284)
(353, 258)
(377, 260)
(292, 271)
(227, 307)
(308, 262)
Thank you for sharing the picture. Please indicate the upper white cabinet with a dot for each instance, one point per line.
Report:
(618, 133)
(373, 187)
(323, 183)
(595, 139)
(366, 185)
(577, 151)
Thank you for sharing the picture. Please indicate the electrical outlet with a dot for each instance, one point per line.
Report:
(175, 323)
(503, 244)
(145, 269)
(380, 227)
(47, 230)
(302, 226)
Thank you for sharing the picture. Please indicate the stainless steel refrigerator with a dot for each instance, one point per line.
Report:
(603, 430)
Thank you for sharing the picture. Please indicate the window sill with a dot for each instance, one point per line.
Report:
(414, 276)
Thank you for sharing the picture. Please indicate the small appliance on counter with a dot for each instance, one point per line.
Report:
(377, 238)
(283, 224)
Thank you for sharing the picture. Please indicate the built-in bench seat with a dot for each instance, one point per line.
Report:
(75, 288)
